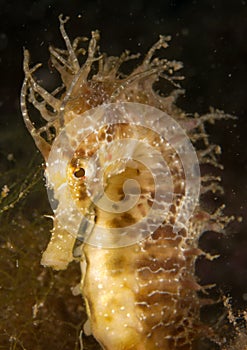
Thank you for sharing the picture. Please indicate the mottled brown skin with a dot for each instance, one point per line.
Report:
(165, 264)
(154, 275)
(144, 296)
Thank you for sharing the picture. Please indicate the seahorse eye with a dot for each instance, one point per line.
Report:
(79, 173)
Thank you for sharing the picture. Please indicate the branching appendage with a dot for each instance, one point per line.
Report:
(146, 74)
(81, 90)
(51, 107)
(27, 90)
(208, 153)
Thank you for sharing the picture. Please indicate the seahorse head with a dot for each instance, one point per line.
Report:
(99, 129)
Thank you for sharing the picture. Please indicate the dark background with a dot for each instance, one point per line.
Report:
(209, 36)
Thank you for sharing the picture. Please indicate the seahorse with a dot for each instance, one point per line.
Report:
(109, 140)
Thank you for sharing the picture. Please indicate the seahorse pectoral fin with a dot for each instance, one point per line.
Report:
(77, 251)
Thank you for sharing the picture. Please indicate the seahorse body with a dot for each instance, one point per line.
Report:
(142, 296)
(135, 294)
